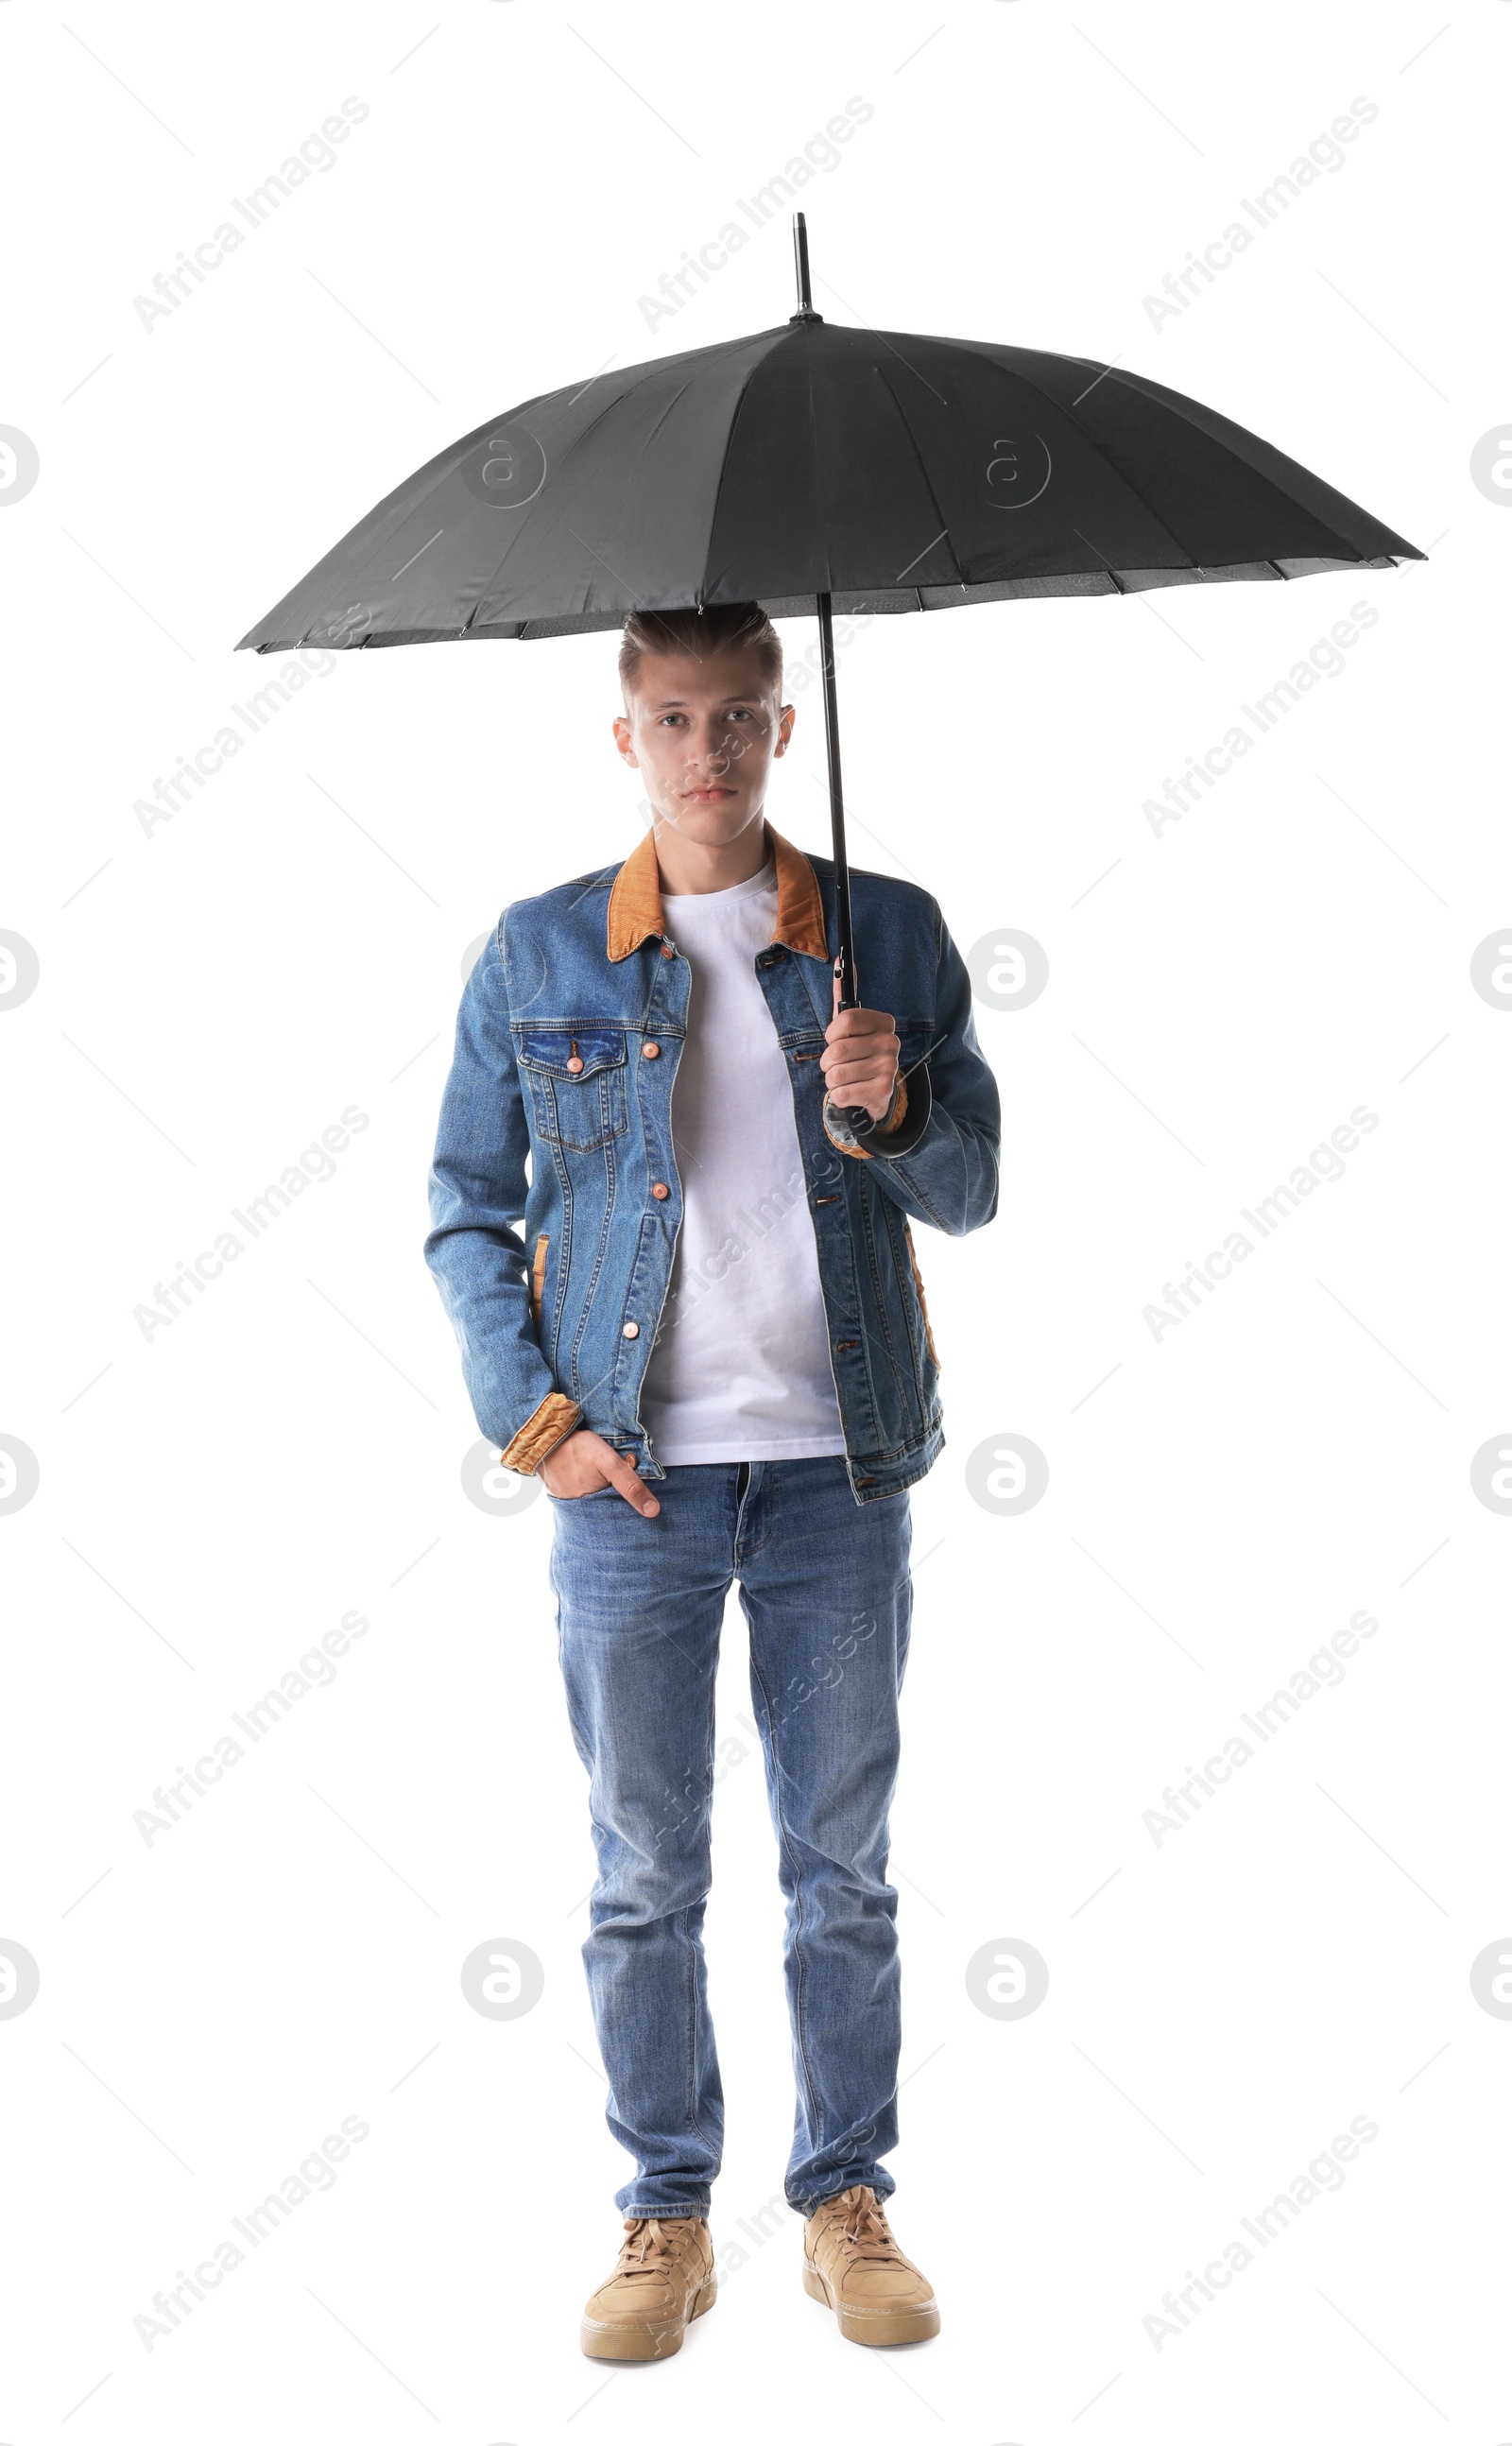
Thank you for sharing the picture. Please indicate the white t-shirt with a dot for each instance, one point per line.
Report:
(741, 1370)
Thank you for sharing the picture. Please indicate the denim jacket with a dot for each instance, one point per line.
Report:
(555, 1201)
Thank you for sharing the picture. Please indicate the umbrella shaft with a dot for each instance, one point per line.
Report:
(847, 962)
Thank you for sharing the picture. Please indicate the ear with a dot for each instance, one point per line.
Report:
(785, 720)
(623, 737)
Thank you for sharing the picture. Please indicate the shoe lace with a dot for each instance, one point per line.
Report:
(862, 2229)
(650, 2248)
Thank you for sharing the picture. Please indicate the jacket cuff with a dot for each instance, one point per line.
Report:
(547, 1425)
(849, 1140)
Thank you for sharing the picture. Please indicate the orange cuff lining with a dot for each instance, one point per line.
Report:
(550, 1420)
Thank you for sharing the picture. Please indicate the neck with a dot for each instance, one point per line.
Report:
(690, 866)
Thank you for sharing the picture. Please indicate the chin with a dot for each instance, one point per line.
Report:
(716, 820)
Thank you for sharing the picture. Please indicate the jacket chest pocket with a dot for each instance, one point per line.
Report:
(577, 1083)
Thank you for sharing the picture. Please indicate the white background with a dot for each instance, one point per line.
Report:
(212, 993)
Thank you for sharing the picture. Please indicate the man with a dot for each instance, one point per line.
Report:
(711, 1344)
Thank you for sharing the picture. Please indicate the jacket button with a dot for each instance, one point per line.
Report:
(667, 952)
(660, 1189)
(630, 1331)
(651, 1052)
(575, 1063)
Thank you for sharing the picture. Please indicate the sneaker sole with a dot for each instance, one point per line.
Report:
(874, 2327)
(653, 2340)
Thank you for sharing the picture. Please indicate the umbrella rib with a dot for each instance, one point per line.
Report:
(913, 444)
(985, 352)
(1117, 473)
(708, 576)
(654, 366)
(1174, 405)
(1119, 587)
(597, 418)
(629, 480)
(545, 400)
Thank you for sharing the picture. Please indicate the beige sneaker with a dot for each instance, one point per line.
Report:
(851, 2260)
(662, 2278)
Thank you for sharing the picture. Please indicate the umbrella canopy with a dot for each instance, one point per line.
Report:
(815, 469)
(888, 470)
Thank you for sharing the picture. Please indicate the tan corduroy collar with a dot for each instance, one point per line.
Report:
(635, 902)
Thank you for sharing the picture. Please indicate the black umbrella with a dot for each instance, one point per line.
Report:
(815, 469)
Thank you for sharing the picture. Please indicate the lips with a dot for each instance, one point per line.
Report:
(717, 791)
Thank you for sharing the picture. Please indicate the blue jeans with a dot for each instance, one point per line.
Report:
(826, 1593)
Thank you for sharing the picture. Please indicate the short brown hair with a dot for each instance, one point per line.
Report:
(711, 629)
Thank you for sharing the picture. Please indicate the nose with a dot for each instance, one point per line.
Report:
(712, 749)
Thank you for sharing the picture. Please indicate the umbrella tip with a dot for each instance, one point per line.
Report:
(800, 262)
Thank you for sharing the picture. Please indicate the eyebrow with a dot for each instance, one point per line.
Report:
(675, 704)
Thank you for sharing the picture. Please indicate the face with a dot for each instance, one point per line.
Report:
(703, 732)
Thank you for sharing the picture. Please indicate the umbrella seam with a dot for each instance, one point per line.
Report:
(704, 582)
(1174, 404)
(646, 440)
(982, 350)
(929, 483)
(653, 366)
(1349, 552)
(608, 409)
